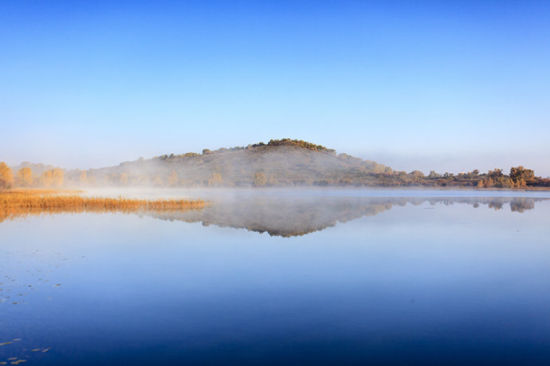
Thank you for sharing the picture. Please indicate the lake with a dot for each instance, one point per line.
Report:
(272, 277)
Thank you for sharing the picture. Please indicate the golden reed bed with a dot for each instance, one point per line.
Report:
(15, 203)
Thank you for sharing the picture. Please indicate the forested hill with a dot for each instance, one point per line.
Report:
(279, 163)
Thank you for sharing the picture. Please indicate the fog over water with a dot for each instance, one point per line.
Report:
(288, 212)
(273, 277)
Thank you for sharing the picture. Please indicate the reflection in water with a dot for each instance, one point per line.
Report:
(286, 217)
(281, 215)
(436, 282)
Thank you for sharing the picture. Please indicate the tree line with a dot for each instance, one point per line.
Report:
(518, 177)
(25, 178)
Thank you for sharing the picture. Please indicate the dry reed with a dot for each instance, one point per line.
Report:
(31, 202)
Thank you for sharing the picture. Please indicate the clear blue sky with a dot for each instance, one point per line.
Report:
(413, 84)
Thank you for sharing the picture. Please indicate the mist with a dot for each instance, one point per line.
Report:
(293, 212)
(279, 163)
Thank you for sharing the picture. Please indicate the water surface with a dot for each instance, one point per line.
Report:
(344, 277)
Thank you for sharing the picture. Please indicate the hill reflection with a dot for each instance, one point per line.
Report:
(284, 215)
(295, 216)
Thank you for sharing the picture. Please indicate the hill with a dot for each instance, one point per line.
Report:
(278, 163)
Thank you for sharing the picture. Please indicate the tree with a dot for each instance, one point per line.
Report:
(215, 179)
(434, 175)
(157, 181)
(46, 179)
(497, 173)
(417, 174)
(24, 177)
(260, 179)
(123, 179)
(520, 175)
(173, 178)
(83, 179)
(58, 177)
(6, 176)
(91, 179)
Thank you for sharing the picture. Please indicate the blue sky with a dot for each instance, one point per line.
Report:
(413, 84)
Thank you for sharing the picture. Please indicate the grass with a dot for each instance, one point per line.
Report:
(14, 203)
